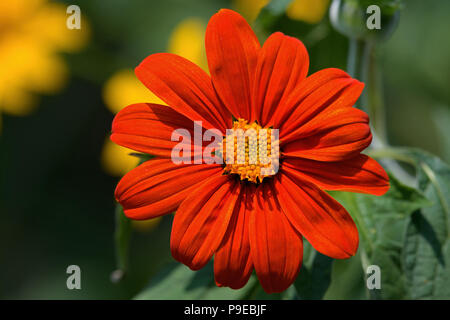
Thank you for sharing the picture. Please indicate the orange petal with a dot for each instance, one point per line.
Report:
(334, 115)
(289, 109)
(276, 247)
(337, 144)
(232, 52)
(148, 128)
(232, 262)
(317, 216)
(282, 64)
(157, 187)
(334, 94)
(185, 87)
(202, 220)
(324, 126)
(358, 174)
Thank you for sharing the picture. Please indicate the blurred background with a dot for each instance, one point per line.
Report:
(60, 89)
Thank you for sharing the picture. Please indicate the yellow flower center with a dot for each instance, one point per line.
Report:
(250, 151)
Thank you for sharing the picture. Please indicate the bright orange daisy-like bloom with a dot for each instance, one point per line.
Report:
(245, 219)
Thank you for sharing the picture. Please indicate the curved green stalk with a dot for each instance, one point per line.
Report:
(361, 64)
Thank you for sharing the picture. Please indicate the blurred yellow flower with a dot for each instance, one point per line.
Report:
(249, 8)
(311, 11)
(188, 40)
(123, 89)
(32, 33)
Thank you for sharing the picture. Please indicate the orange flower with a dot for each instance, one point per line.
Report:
(248, 220)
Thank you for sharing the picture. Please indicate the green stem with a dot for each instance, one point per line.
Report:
(122, 239)
(391, 153)
(357, 63)
(253, 290)
(375, 97)
(361, 64)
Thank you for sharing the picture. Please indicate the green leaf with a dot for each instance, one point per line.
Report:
(176, 281)
(388, 258)
(122, 240)
(347, 280)
(315, 275)
(381, 222)
(378, 217)
(258, 292)
(426, 254)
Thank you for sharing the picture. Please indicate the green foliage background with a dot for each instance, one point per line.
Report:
(57, 207)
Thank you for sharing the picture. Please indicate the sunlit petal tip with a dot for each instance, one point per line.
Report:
(317, 216)
(232, 52)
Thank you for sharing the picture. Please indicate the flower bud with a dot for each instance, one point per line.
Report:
(368, 20)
